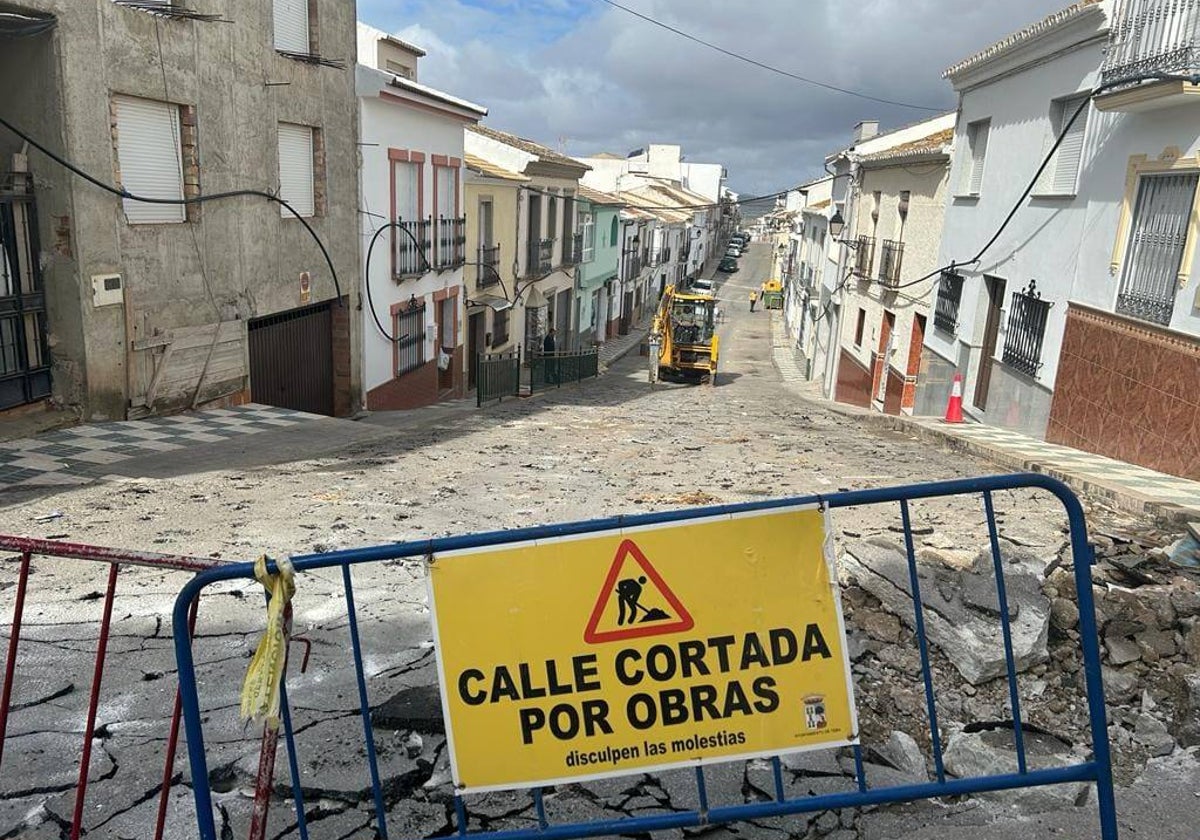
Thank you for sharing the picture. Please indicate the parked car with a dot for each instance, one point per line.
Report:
(728, 265)
(733, 252)
(703, 286)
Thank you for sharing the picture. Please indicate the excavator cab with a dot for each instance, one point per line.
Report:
(683, 340)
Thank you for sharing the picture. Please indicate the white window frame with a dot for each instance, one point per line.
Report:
(1061, 175)
(297, 165)
(151, 164)
(587, 227)
(291, 26)
(978, 134)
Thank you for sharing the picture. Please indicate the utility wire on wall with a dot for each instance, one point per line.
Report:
(199, 199)
(975, 260)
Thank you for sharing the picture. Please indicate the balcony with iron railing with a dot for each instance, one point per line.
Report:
(450, 239)
(411, 247)
(539, 258)
(489, 266)
(632, 266)
(864, 255)
(890, 258)
(573, 250)
(1147, 40)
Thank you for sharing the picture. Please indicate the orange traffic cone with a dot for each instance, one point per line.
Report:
(954, 405)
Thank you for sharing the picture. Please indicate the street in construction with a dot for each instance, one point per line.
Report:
(616, 445)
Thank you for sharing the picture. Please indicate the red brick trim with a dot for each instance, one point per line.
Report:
(440, 160)
(404, 156)
(439, 296)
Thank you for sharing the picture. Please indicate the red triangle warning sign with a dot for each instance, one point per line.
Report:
(635, 602)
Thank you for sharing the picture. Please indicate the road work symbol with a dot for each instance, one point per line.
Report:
(635, 602)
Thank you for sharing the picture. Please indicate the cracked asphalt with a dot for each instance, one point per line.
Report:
(615, 445)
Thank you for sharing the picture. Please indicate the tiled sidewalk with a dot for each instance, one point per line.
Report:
(616, 348)
(1130, 486)
(81, 454)
(1127, 486)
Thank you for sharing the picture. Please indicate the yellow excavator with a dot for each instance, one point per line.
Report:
(683, 339)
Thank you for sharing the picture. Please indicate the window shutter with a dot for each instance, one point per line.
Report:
(150, 156)
(291, 26)
(296, 169)
(979, 144)
(1070, 151)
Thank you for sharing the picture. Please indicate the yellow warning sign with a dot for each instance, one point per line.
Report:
(622, 651)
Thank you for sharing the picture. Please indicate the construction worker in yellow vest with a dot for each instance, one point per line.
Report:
(753, 299)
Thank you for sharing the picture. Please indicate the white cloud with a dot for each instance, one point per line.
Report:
(607, 80)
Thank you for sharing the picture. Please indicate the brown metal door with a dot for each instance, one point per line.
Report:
(627, 314)
(291, 359)
(995, 288)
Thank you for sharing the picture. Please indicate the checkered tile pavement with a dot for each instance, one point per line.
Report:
(80, 454)
(1139, 480)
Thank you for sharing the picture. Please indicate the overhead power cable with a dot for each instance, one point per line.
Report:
(768, 67)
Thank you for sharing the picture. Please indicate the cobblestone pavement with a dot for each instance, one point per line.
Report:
(616, 445)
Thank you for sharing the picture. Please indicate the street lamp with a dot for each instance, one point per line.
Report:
(837, 224)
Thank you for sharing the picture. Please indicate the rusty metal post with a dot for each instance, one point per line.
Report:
(14, 637)
(94, 702)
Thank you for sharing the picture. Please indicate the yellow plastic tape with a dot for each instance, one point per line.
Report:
(260, 690)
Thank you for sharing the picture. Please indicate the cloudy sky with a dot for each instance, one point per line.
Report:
(590, 77)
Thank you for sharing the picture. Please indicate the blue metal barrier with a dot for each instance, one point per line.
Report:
(1098, 769)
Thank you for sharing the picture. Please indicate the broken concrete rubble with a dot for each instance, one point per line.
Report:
(969, 636)
(989, 749)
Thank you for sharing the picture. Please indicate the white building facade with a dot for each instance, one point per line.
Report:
(1082, 323)
(1011, 100)
(414, 229)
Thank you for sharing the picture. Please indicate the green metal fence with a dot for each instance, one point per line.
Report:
(497, 375)
(553, 370)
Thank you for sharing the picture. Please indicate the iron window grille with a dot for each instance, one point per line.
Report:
(1150, 276)
(412, 247)
(949, 296)
(545, 256)
(451, 237)
(864, 256)
(890, 258)
(1026, 330)
(410, 338)
(489, 266)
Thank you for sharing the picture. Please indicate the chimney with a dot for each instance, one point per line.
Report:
(865, 130)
